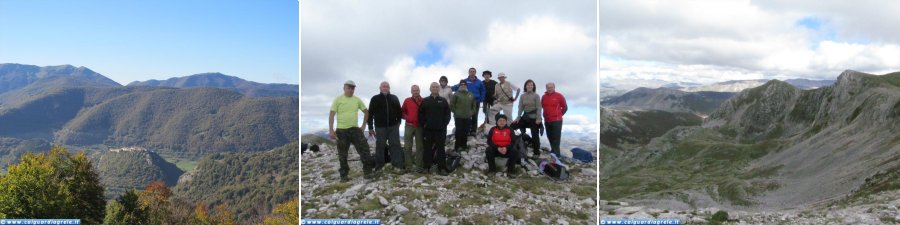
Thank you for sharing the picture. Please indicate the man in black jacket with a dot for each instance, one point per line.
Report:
(434, 116)
(384, 111)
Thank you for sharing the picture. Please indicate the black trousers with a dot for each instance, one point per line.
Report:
(535, 135)
(462, 132)
(473, 123)
(434, 149)
(511, 154)
(554, 133)
(383, 136)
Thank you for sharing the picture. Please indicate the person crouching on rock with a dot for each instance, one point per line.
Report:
(499, 140)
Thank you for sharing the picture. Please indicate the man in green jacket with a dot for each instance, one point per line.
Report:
(463, 105)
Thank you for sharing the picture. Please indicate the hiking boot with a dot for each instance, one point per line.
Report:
(371, 176)
(511, 174)
(345, 179)
(442, 172)
(400, 171)
(423, 171)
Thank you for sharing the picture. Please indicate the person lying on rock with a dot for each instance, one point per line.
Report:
(499, 145)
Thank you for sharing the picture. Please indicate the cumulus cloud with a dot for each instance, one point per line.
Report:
(710, 41)
(370, 42)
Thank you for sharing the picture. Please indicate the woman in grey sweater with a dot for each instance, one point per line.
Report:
(530, 115)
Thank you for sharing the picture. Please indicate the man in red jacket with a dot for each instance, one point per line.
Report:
(410, 113)
(554, 107)
(499, 142)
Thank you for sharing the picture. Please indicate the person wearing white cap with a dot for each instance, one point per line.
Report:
(503, 97)
(345, 107)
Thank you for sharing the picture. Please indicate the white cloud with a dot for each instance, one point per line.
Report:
(576, 123)
(369, 42)
(710, 41)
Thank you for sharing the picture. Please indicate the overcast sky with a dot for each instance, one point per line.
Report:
(415, 42)
(711, 41)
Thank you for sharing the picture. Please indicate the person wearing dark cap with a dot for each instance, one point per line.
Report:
(385, 116)
(434, 116)
(488, 96)
(476, 87)
(345, 108)
(499, 142)
(463, 105)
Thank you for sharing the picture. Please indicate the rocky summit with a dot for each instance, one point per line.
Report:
(774, 151)
(466, 196)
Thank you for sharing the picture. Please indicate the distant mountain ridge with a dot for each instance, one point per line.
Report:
(616, 87)
(82, 107)
(16, 76)
(218, 80)
(740, 85)
(667, 99)
(621, 127)
(19, 81)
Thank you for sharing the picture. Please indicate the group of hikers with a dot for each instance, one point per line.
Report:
(427, 120)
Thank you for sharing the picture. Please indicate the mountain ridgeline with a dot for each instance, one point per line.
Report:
(194, 120)
(740, 85)
(218, 80)
(666, 99)
(15, 76)
(619, 128)
(772, 146)
(76, 106)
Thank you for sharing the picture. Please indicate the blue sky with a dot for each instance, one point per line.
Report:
(820, 30)
(140, 40)
(433, 53)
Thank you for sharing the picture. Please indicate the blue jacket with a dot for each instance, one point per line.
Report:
(475, 86)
